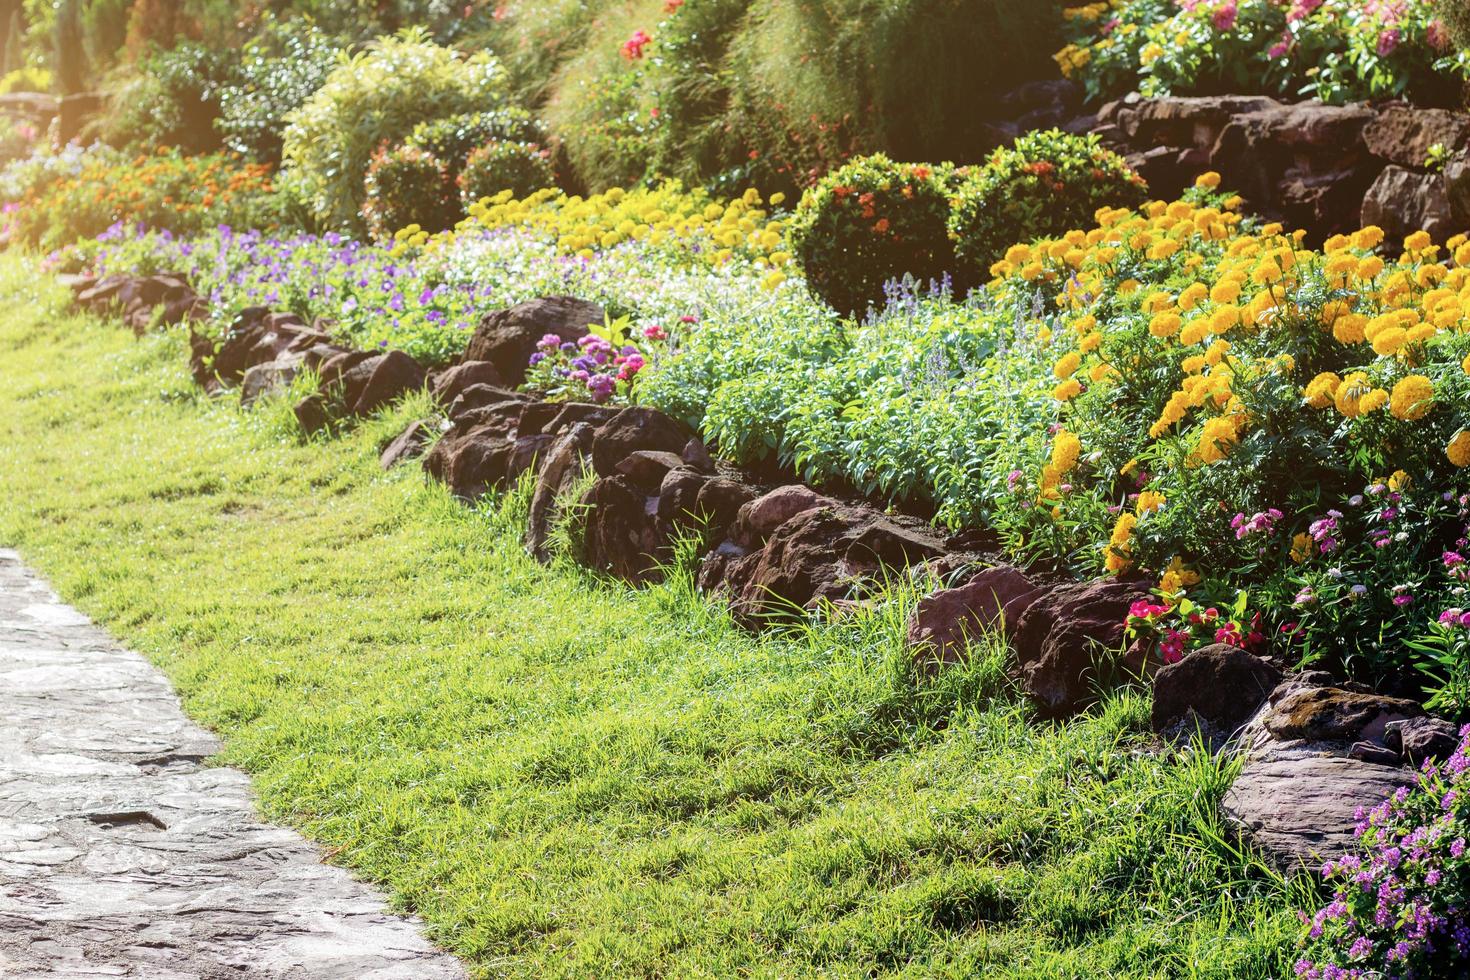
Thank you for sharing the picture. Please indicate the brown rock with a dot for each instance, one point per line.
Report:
(1404, 135)
(1334, 714)
(1419, 739)
(380, 380)
(622, 536)
(1220, 685)
(943, 624)
(634, 429)
(1063, 636)
(758, 519)
(1402, 202)
(408, 444)
(647, 468)
(447, 384)
(565, 462)
(1299, 810)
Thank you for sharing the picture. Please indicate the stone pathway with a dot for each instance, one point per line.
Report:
(122, 855)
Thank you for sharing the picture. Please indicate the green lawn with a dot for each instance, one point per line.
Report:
(568, 778)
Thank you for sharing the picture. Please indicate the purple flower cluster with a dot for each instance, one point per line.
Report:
(592, 367)
(1262, 523)
(1399, 904)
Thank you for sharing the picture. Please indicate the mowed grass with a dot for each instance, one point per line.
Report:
(566, 777)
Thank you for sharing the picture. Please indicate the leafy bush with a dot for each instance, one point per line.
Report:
(521, 168)
(1045, 184)
(453, 138)
(408, 186)
(1398, 901)
(1337, 50)
(376, 97)
(279, 69)
(173, 101)
(869, 222)
(187, 194)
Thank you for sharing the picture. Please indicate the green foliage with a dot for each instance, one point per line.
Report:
(453, 138)
(173, 100)
(1045, 184)
(377, 96)
(278, 70)
(1456, 17)
(408, 186)
(105, 30)
(871, 221)
(521, 168)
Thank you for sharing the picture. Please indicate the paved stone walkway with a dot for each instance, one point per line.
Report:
(121, 855)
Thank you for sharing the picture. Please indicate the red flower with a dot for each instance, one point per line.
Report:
(633, 47)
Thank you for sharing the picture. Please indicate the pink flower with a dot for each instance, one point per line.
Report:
(1437, 35)
(655, 332)
(633, 47)
(1388, 42)
(1224, 16)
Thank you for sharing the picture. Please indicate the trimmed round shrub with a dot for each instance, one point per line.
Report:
(372, 98)
(453, 138)
(869, 222)
(406, 186)
(1045, 184)
(521, 168)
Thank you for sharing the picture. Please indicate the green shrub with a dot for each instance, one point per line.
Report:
(173, 101)
(1045, 184)
(407, 186)
(279, 69)
(453, 138)
(518, 167)
(870, 222)
(372, 98)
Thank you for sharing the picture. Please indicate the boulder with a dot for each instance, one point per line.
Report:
(473, 463)
(1333, 714)
(1457, 187)
(312, 414)
(1418, 739)
(268, 378)
(1403, 135)
(507, 338)
(720, 500)
(1220, 686)
(379, 380)
(943, 624)
(696, 455)
(1062, 636)
(408, 444)
(678, 497)
(485, 396)
(824, 554)
(1402, 201)
(647, 468)
(759, 518)
(634, 429)
(1299, 810)
(552, 417)
(621, 536)
(447, 384)
(564, 463)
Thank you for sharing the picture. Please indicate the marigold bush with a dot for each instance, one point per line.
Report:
(869, 222)
(168, 189)
(521, 168)
(1044, 184)
(1337, 50)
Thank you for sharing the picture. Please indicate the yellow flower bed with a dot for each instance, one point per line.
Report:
(703, 228)
(1195, 330)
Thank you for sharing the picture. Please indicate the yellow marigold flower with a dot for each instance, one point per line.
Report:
(1370, 267)
(1350, 394)
(1148, 502)
(1090, 343)
(1163, 250)
(1417, 242)
(1224, 318)
(1389, 341)
(1157, 302)
(1193, 295)
(1067, 365)
(1412, 398)
(1208, 179)
(1336, 243)
(1349, 329)
(1216, 438)
(1419, 334)
(1216, 353)
(1462, 254)
(1099, 371)
(1018, 254)
(1373, 401)
(1225, 291)
(1192, 364)
(1067, 390)
(1368, 238)
(1084, 323)
(1165, 325)
(1458, 450)
(1120, 544)
(1465, 364)
(1194, 331)
(1321, 391)
(1065, 448)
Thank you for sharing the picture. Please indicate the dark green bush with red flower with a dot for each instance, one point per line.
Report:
(869, 222)
(408, 186)
(1046, 184)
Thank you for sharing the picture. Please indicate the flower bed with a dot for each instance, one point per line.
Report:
(1337, 50)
